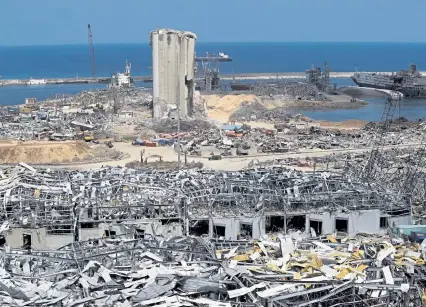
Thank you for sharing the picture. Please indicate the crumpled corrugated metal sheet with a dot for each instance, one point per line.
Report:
(200, 285)
(153, 291)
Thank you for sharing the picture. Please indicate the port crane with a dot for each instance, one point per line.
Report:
(376, 154)
(91, 51)
(383, 128)
(210, 73)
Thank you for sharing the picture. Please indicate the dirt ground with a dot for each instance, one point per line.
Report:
(133, 154)
(221, 107)
(230, 164)
(45, 152)
(347, 124)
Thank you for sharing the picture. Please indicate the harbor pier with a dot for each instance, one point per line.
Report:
(148, 79)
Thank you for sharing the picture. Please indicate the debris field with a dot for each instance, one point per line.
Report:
(261, 236)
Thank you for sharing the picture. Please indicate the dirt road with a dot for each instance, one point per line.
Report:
(231, 163)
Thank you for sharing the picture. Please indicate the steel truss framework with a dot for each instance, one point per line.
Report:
(60, 199)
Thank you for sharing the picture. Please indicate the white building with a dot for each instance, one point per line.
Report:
(173, 69)
(36, 81)
(122, 79)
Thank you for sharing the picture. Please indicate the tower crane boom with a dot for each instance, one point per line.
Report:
(91, 51)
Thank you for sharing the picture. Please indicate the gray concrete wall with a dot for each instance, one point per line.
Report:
(399, 220)
(14, 237)
(154, 228)
(325, 218)
(367, 221)
(91, 233)
(364, 221)
(233, 227)
(96, 233)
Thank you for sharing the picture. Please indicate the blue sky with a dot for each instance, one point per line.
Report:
(31, 22)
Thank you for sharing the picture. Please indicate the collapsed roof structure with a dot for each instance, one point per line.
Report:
(83, 205)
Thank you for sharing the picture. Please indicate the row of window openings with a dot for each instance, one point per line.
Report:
(276, 223)
(341, 225)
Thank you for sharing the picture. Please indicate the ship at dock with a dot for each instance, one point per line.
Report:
(122, 79)
(409, 82)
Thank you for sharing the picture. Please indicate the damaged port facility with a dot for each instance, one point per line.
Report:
(112, 231)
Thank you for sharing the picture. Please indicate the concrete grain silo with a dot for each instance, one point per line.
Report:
(173, 64)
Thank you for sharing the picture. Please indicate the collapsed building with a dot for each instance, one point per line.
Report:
(173, 70)
(51, 207)
(125, 237)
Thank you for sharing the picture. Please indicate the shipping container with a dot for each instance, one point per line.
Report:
(150, 144)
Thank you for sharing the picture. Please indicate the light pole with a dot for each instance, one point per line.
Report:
(178, 96)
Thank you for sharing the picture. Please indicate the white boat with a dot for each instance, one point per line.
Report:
(223, 55)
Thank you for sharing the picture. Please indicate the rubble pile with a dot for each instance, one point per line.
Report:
(248, 111)
(309, 137)
(186, 125)
(60, 126)
(138, 237)
(186, 271)
(399, 169)
(55, 115)
(257, 112)
(398, 157)
(129, 98)
(288, 90)
(397, 124)
(294, 135)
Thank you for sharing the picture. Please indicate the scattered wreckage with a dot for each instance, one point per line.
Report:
(257, 237)
(276, 270)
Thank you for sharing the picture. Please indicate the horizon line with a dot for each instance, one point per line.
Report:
(225, 42)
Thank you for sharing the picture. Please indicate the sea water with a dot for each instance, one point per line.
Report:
(73, 60)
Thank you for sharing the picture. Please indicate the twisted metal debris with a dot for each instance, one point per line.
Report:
(60, 199)
(276, 270)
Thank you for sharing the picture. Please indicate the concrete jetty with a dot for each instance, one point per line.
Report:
(148, 79)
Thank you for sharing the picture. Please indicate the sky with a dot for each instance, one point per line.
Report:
(51, 22)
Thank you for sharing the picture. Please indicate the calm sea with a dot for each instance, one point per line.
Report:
(73, 60)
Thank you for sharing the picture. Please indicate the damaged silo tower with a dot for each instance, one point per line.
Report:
(173, 64)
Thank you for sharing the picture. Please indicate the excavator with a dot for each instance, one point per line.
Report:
(88, 136)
